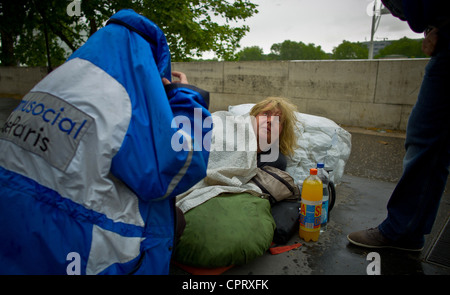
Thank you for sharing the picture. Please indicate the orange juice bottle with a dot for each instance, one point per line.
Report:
(311, 207)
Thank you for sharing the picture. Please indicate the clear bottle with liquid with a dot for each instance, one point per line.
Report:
(311, 207)
(323, 175)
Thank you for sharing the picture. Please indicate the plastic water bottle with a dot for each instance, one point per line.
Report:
(311, 207)
(323, 175)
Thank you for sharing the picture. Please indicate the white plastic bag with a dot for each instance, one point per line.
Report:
(319, 139)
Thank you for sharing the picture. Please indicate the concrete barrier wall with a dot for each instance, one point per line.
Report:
(363, 93)
(15, 82)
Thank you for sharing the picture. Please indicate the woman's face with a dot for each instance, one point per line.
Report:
(268, 128)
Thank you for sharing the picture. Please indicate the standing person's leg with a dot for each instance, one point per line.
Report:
(413, 205)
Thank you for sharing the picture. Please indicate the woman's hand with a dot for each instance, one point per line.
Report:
(181, 76)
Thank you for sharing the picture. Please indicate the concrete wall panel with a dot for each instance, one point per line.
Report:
(257, 78)
(333, 80)
(363, 93)
(398, 81)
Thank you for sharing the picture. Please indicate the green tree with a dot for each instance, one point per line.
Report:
(291, 50)
(39, 33)
(44, 27)
(405, 46)
(11, 19)
(350, 50)
(251, 53)
(191, 30)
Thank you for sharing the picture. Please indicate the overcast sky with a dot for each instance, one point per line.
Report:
(322, 22)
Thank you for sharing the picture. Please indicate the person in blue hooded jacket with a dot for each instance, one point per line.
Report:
(88, 174)
(413, 205)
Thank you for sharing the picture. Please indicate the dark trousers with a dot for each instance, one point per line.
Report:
(413, 206)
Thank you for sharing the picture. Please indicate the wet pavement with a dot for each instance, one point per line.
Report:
(361, 203)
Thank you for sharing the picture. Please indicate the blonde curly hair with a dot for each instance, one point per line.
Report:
(288, 136)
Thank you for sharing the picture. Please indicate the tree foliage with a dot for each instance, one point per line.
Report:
(37, 33)
(405, 46)
(350, 50)
(287, 50)
(291, 50)
(251, 53)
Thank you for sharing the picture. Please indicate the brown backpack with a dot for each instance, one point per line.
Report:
(278, 184)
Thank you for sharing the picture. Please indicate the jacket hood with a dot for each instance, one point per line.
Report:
(150, 32)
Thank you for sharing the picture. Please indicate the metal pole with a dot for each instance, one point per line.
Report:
(372, 31)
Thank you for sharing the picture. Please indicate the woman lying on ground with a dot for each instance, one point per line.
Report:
(275, 128)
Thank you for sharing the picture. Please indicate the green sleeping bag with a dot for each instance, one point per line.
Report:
(230, 229)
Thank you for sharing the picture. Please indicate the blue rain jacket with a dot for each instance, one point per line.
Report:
(94, 155)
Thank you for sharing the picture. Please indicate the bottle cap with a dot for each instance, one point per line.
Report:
(313, 171)
(320, 165)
